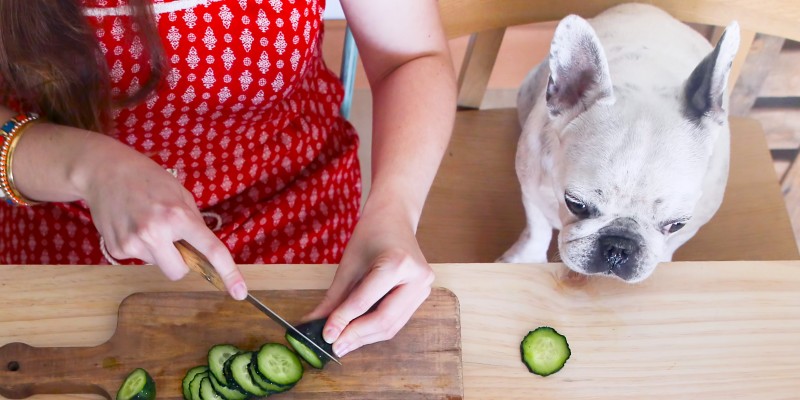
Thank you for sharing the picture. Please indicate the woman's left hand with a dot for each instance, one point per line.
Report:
(383, 277)
(382, 267)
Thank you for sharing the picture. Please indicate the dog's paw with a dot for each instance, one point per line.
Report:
(513, 257)
(504, 260)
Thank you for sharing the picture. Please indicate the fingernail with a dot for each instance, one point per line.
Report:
(330, 335)
(341, 349)
(239, 291)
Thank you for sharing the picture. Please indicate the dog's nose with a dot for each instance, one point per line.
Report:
(616, 249)
(617, 255)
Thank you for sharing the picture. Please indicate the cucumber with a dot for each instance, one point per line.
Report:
(278, 364)
(233, 374)
(264, 383)
(217, 356)
(207, 390)
(238, 371)
(313, 331)
(138, 385)
(188, 379)
(225, 391)
(544, 351)
(194, 385)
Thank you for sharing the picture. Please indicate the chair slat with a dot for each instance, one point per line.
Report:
(477, 67)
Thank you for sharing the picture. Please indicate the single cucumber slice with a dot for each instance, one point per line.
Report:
(188, 379)
(207, 390)
(225, 391)
(544, 351)
(305, 352)
(264, 382)
(313, 331)
(240, 373)
(194, 385)
(139, 385)
(278, 364)
(217, 356)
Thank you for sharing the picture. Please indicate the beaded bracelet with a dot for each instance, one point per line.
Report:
(11, 131)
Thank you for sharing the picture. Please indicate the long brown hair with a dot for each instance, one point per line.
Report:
(51, 62)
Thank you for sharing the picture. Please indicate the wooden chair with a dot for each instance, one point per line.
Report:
(474, 211)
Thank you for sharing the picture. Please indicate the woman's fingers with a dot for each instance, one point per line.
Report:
(169, 259)
(383, 324)
(347, 276)
(141, 210)
(150, 236)
(210, 246)
(384, 275)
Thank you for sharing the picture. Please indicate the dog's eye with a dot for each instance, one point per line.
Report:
(576, 207)
(675, 226)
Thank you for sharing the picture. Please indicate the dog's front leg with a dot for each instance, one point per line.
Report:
(532, 245)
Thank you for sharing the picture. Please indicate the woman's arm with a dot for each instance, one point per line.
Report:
(138, 207)
(407, 61)
(408, 64)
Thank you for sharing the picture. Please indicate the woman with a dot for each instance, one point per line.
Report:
(216, 122)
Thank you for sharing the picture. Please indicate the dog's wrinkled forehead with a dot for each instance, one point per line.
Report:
(634, 155)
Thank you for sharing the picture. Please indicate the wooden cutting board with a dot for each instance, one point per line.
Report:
(168, 333)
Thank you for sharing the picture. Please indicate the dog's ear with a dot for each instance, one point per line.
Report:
(579, 74)
(704, 91)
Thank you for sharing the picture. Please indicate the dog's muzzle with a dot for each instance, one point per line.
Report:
(618, 250)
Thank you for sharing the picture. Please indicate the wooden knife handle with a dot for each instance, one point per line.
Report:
(26, 370)
(200, 264)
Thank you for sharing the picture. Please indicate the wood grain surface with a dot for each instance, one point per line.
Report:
(168, 333)
(694, 330)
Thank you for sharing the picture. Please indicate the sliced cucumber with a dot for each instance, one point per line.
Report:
(278, 364)
(226, 392)
(217, 356)
(313, 331)
(194, 385)
(138, 385)
(188, 379)
(544, 351)
(263, 382)
(237, 370)
(240, 373)
(305, 352)
(207, 390)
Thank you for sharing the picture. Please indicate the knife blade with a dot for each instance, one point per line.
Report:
(197, 262)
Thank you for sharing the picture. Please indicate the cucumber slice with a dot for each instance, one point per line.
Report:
(194, 385)
(240, 373)
(312, 330)
(305, 352)
(263, 382)
(278, 364)
(138, 385)
(226, 392)
(207, 390)
(544, 351)
(217, 356)
(188, 379)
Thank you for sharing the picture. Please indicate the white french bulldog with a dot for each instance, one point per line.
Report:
(625, 142)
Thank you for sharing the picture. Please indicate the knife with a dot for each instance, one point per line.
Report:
(200, 264)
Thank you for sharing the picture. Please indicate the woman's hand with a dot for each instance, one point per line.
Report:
(383, 268)
(141, 210)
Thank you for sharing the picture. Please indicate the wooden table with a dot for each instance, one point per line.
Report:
(704, 330)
